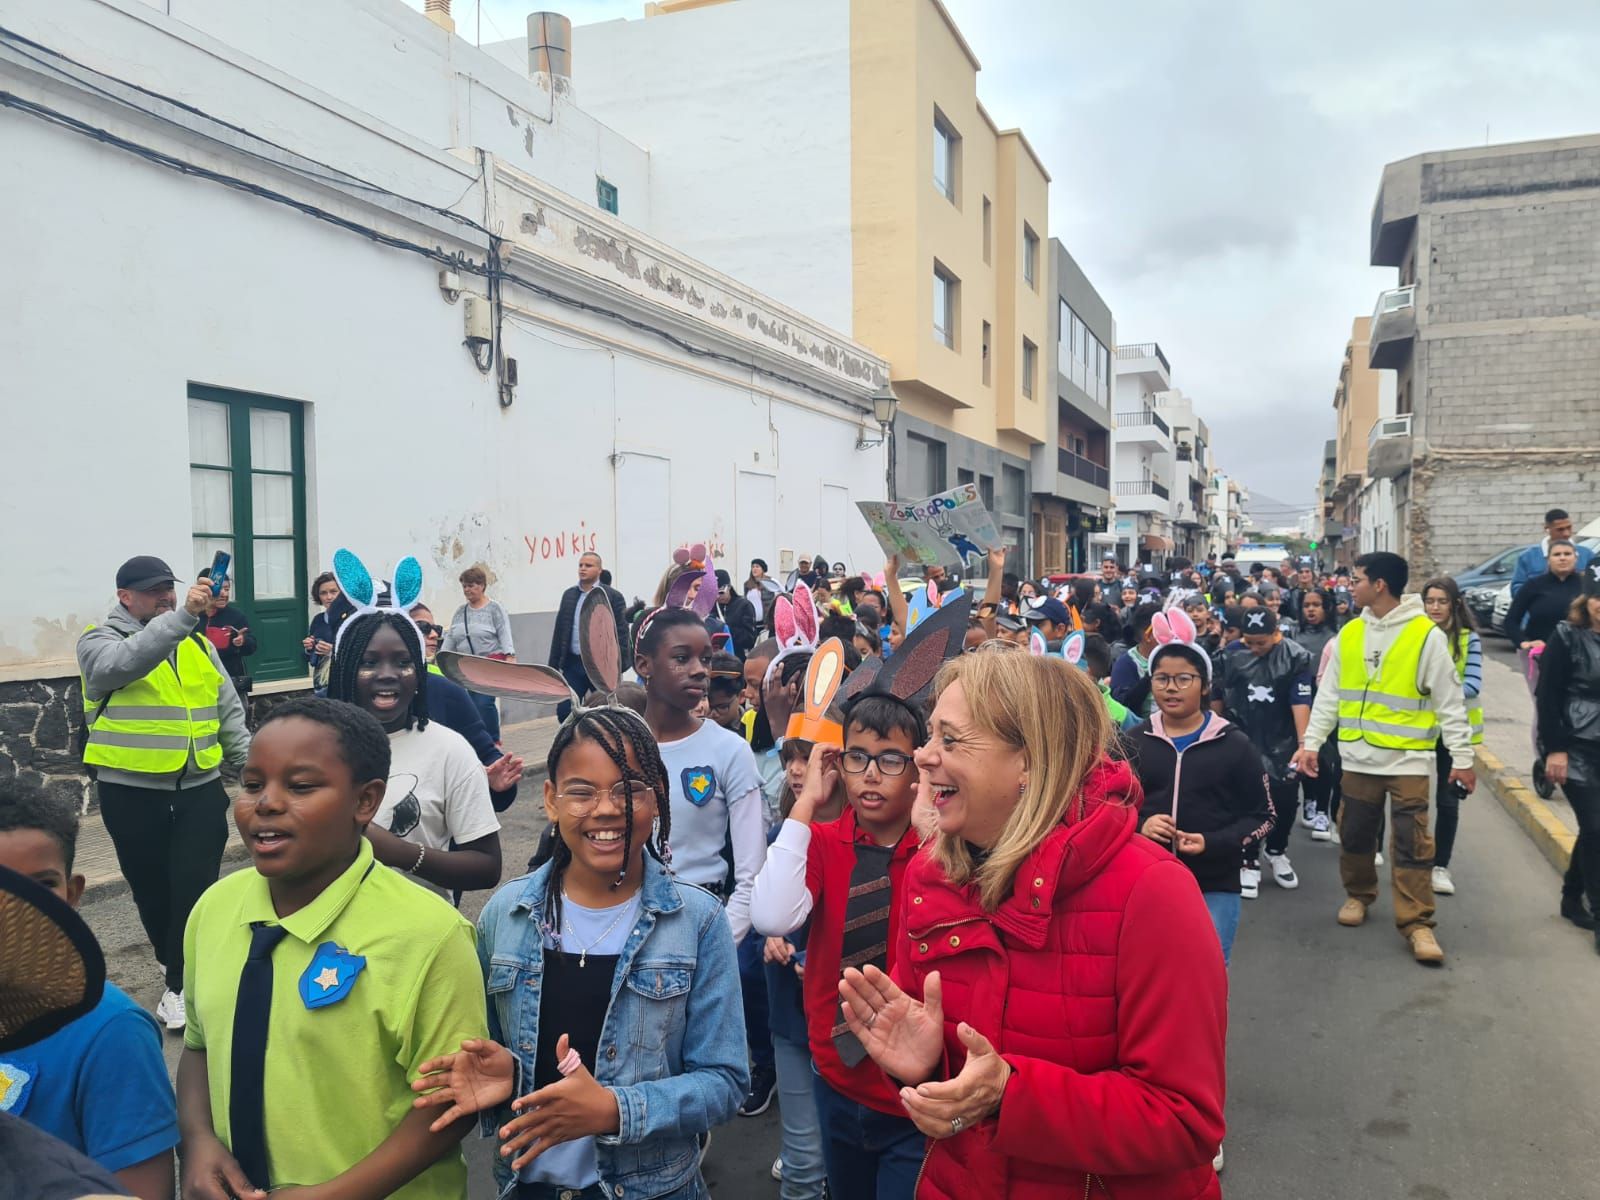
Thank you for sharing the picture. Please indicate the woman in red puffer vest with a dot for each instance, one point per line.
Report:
(1070, 1036)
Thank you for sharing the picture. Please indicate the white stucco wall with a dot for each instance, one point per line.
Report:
(131, 281)
(745, 110)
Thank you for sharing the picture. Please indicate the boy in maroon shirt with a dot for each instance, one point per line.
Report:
(845, 875)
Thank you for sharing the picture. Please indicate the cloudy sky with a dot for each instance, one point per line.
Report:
(1214, 166)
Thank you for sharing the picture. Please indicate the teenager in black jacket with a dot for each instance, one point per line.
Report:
(1205, 795)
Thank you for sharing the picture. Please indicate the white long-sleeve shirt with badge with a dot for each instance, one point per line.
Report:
(437, 790)
(1436, 678)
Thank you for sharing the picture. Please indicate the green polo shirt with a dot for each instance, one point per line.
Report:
(338, 1075)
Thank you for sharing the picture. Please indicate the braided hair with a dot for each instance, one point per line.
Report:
(615, 730)
(352, 646)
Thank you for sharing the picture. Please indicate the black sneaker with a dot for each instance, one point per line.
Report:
(763, 1085)
(1542, 786)
(1573, 909)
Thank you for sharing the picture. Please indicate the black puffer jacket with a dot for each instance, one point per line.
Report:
(1568, 701)
(1221, 792)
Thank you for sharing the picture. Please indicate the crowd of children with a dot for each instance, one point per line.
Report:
(721, 900)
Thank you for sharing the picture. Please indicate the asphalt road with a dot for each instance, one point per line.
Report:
(1353, 1072)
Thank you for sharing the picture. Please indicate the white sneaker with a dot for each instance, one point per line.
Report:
(1377, 859)
(1321, 828)
(1249, 882)
(1216, 1163)
(1443, 885)
(1282, 870)
(1308, 815)
(171, 1011)
(777, 1169)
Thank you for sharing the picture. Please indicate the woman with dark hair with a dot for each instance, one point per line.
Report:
(1319, 629)
(1568, 709)
(318, 641)
(437, 820)
(1441, 600)
(1036, 897)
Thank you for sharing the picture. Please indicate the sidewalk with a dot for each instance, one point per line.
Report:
(1505, 761)
(97, 858)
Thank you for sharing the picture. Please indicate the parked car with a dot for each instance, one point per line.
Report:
(1495, 569)
(1502, 607)
(1481, 601)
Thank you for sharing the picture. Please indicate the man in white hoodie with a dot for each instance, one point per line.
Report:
(1395, 694)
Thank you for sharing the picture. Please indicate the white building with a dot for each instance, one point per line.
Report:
(1230, 501)
(1142, 455)
(1189, 506)
(359, 290)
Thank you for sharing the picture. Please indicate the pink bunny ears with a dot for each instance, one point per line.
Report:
(1174, 628)
(795, 624)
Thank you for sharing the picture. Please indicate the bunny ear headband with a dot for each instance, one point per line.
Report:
(597, 641)
(795, 624)
(1174, 628)
(1071, 647)
(699, 564)
(356, 582)
(508, 680)
(908, 676)
(823, 679)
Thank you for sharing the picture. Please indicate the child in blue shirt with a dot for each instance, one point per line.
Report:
(99, 1084)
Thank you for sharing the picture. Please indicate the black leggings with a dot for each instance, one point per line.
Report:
(169, 846)
(1583, 872)
(1447, 809)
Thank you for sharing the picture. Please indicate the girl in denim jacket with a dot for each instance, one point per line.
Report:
(614, 1007)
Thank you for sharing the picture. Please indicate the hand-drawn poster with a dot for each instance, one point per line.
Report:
(950, 529)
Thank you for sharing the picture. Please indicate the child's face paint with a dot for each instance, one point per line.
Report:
(386, 679)
(299, 812)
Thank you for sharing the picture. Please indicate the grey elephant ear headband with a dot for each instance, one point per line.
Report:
(597, 645)
(356, 582)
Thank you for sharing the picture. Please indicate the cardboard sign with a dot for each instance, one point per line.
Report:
(950, 529)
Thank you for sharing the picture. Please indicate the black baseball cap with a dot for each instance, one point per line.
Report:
(144, 573)
(1259, 620)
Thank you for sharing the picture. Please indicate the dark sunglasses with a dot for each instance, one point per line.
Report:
(425, 628)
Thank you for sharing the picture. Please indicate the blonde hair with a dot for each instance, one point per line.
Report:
(670, 577)
(1055, 715)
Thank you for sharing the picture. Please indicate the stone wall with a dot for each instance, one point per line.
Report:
(41, 727)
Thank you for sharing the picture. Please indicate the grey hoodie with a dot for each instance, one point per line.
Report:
(1436, 678)
(119, 651)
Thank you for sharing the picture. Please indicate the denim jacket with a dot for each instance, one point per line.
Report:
(672, 1047)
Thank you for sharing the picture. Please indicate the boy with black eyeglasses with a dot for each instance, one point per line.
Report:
(845, 876)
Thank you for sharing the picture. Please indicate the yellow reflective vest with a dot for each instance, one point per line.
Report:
(1386, 709)
(1475, 703)
(149, 726)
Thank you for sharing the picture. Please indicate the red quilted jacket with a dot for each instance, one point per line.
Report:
(1100, 980)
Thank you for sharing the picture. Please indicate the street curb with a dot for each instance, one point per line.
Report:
(1552, 838)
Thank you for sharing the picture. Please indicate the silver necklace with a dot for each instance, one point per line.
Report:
(583, 952)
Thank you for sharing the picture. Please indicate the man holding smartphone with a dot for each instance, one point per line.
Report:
(161, 716)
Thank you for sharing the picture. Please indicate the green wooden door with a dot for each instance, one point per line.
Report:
(248, 497)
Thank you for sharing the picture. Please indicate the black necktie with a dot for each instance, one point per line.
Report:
(866, 932)
(251, 1013)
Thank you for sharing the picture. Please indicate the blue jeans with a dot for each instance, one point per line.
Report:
(489, 711)
(577, 679)
(870, 1155)
(753, 989)
(1224, 909)
(803, 1171)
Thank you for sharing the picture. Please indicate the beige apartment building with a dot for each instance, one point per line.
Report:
(1357, 405)
(835, 153)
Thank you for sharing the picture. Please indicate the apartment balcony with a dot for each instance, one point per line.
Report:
(1145, 358)
(1076, 466)
(1143, 427)
(1142, 496)
(1394, 212)
(1186, 516)
(1394, 329)
(1389, 447)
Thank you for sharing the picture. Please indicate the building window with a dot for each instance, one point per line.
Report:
(946, 156)
(925, 465)
(605, 194)
(946, 298)
(247, 495)
(964, 477)
(1030, 357)
(986, 332)
(988, 229)
(1013, 489)
(986, 491)
(1030, 257)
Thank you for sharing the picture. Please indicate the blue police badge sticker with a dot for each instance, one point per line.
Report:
(329, 975)
(16, 1084)
(699, 785)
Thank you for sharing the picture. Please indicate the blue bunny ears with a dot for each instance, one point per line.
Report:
(356, 582)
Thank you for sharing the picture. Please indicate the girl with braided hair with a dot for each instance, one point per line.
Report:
(616, 984)
(437, 820)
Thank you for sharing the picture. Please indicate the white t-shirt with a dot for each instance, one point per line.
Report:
(716, 795)
(437, 789)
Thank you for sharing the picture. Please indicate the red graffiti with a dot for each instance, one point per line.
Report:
(565, 543)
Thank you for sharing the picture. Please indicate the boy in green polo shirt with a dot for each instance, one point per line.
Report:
(318, 984)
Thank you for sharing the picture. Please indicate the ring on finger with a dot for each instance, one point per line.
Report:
(873, 1017)
(955, 1124)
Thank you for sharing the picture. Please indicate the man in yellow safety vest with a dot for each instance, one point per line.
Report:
(1392, 694)
(161, 717)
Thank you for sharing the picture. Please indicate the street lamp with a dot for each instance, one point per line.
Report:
(884, 405)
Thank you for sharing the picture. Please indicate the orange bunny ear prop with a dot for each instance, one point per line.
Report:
(823, 678)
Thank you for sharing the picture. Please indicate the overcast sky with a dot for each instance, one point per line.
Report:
(1214, 166)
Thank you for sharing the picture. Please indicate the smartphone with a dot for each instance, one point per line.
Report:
(1459, 790)
(220, 561)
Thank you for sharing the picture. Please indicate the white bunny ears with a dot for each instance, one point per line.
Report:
(356, 582)
(795, 624)
(1174, 628)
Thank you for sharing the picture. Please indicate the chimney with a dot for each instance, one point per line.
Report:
(438, 11)
(550, 48)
